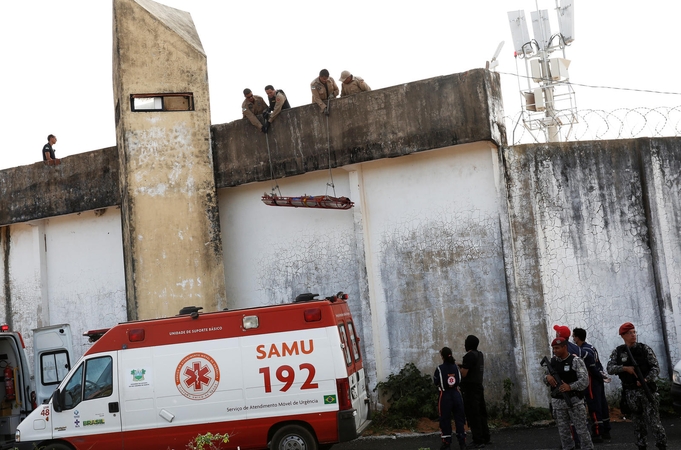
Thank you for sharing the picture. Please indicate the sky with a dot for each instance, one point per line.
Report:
(57, 56)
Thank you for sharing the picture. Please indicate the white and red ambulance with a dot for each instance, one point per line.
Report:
(285, 377)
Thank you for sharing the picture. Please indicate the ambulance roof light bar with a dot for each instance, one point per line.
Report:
(94, 335)
(4, 328)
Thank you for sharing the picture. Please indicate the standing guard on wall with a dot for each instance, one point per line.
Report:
(636, 365)
(48, 151)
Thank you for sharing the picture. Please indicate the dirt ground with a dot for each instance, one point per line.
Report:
(427, 426)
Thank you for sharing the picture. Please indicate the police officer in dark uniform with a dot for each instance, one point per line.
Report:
(447, 378)
(644, 411)
(472, 370)
(594, 394)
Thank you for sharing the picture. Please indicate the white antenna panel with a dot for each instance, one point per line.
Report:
(566, 20)
(535, 70)
(559, 69)
(519, 31)
(541, 27)
(539, 103)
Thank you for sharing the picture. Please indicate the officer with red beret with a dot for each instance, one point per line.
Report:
(644, 410)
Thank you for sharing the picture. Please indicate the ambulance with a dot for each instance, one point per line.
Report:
(52, 349)
(281, 377)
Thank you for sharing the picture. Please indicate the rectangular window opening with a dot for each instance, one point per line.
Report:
(162, 102)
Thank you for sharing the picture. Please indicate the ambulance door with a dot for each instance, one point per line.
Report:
(87, 412)
(353, 358)
(358, 391)
(52, 356)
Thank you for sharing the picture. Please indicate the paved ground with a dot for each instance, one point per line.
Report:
(518, 439)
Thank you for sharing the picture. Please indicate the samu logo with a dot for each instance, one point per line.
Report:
(197, 376)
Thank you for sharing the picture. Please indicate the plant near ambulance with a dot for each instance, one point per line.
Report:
(208, 441)
(410, 395)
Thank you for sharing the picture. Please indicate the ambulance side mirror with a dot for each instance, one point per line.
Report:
(57, 401)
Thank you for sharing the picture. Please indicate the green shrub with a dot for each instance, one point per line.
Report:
(208, 441)
(410, 396)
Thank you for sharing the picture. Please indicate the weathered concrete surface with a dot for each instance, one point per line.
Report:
(595, 242)
(81, 182)
(171, 227)
(395, 121)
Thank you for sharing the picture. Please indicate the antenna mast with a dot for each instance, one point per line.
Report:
(548, 101)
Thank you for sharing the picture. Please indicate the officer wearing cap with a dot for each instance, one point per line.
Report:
(574, 379)
(351, 84)
(644, 411)
(565, 333)
(323, 88)
(447, 378)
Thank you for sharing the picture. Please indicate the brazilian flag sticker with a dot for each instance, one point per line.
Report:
(329, 399)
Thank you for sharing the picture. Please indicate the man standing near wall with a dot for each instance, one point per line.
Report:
(594, 394)
(472, 370)
(574, 379)
(643, 404)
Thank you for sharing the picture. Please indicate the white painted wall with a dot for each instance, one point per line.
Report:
(67, 269)
(428, 224)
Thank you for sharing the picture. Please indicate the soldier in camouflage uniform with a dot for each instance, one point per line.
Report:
(574, 379)
(644, 412)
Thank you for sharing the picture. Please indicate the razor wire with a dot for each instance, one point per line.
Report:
(598, 124)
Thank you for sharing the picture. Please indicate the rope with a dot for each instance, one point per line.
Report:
(269, 155)
(328, 148)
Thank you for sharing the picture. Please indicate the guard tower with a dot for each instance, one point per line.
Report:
(171, 232)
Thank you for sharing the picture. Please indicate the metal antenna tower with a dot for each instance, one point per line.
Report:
(548, 101)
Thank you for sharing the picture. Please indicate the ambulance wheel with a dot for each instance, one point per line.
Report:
(293, 437)
(56, 446)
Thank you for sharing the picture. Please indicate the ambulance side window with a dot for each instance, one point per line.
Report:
(354, 340)
(73, 391)
(98, 378)
(344, 341)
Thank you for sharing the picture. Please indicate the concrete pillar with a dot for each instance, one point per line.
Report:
(171, 231)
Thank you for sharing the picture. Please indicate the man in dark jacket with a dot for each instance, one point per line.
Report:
(472, 370)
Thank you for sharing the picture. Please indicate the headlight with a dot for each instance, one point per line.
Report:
(17, 436)
(676, 378)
